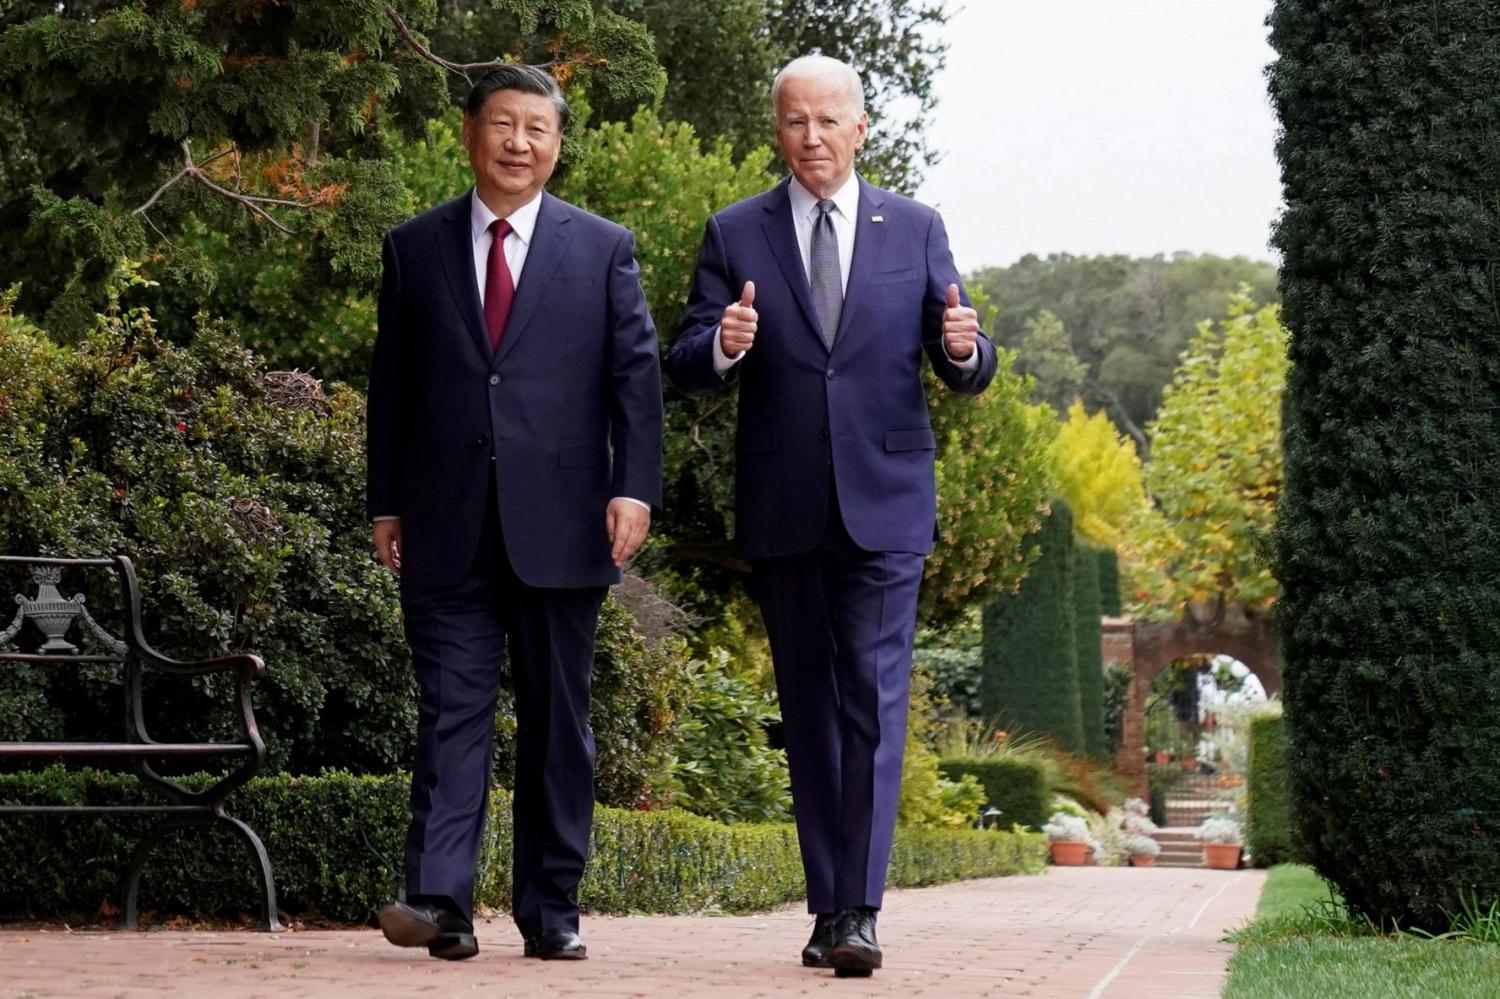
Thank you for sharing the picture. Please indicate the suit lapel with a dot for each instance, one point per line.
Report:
(869, 237)
(456, 248)
(549, 244)
(782, 234)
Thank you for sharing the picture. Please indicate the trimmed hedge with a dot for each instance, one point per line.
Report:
(1109, 582)
(1388, 529)
(336, 844)
(1268, 828)
(1029, 680)
(1088, 645)
(1017, 787)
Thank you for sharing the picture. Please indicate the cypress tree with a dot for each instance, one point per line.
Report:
(1109, 582)
(1029, 679)
(1087, 605)
(1386, 546)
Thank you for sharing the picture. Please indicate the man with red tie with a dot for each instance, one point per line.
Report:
(515, 428)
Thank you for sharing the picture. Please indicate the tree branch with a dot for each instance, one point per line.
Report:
(1112, 403)
(194, 171)
(461, 68)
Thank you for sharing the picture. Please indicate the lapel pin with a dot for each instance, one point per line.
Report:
(877, 218)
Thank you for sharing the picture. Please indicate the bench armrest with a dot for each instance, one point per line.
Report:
(244, 665)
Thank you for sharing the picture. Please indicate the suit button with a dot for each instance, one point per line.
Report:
(494, 379)
(482, 440)
(829, 374)
(822, 435)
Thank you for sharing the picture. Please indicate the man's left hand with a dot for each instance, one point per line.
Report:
(960, 327)
(625, 524)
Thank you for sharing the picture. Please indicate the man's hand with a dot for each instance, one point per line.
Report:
(960, 327)
(388, 544)
(625, 524)
(737, 328)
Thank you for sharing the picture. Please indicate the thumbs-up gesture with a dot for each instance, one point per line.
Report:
(960, 327)
(737, 328)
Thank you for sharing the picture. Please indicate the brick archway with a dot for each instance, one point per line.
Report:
(1246, 633)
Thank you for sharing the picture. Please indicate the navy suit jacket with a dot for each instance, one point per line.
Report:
(857, 413)
(570, 403)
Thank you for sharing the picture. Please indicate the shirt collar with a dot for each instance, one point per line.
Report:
(522, 220)
(846, 198)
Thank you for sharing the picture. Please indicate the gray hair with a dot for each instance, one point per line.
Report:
(824, 68)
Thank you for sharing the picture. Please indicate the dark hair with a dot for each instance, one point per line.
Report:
(526, 79)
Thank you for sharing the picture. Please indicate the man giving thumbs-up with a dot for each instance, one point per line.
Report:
(820, 297)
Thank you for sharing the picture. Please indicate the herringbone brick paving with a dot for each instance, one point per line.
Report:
(1084, 932)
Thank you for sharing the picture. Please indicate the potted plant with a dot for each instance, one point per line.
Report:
(1142, 850)
(1069, 836)
(1137, 824)
(1221, 841)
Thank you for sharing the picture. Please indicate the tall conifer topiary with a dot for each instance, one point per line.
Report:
(1029, 681)
(1387, 546)
(1109, 582)
(1088, 636)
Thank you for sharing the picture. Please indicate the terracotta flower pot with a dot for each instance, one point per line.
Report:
(1221, 856)
(1070, 854)
(1142, 860)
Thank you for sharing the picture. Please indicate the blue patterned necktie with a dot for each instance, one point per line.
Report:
(827, 281)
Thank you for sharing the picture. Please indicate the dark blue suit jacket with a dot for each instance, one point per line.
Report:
(857, 413)
(570, 404)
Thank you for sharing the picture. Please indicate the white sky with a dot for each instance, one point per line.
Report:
(1105, 126)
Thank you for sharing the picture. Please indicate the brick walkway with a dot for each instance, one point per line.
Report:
(1076, 932)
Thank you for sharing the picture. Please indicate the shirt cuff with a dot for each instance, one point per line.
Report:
(640, 503)
(389, 516)
(722, 361)
(970, 363)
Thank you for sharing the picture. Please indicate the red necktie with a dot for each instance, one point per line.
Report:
(499, 289)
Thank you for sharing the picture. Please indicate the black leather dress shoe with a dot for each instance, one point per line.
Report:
(815, 954)
(439, 928)
(556, 945)
(855, 952)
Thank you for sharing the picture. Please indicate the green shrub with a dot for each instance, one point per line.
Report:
(336, 843)
(955, 675)
(929, 799)
(1268, 830)
(1018, 787)
(241, 501)
(240, 497)
(1088, 644)
(726, 769)
(1117, 680)
(1389, 526)
(1030, 678)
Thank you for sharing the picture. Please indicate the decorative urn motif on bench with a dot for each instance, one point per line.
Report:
(50, 611)
(54, 616)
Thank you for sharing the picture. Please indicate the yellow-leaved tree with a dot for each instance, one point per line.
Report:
(1099, 474)
(1215, 470)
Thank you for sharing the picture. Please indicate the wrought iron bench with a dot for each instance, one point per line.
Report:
(53, 617)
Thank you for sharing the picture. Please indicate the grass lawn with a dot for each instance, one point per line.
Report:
(1288, 952)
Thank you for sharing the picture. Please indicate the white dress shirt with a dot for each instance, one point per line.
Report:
(517, 243)
(522, 225)
(804, 205)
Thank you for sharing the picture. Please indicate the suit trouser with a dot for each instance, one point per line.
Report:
(458, 635)
(841, 621)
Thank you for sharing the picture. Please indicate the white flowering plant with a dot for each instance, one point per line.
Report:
(1219, 829)
(1065, 828)
(1141, 846)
